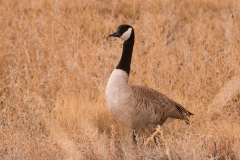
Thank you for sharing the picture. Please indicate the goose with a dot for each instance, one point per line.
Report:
(137, 106)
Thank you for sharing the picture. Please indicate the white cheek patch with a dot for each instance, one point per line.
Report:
(126, 34)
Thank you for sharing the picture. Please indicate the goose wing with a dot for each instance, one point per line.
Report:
(158, 106)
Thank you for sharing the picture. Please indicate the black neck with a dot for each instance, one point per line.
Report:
(125, 61)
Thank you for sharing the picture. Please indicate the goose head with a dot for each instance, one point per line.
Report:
(124, 32)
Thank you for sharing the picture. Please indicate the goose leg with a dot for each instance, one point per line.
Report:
(134, 141)
(153, 127)
(155, 139)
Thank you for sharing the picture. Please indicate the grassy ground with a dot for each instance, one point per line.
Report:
(55, 60)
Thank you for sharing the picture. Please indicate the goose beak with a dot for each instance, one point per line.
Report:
(115, 34)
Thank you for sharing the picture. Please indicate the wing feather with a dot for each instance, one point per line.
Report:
(157, 106)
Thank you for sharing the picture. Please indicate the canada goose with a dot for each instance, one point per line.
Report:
(137, 106)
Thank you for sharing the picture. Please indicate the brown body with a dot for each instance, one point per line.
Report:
(137, 106)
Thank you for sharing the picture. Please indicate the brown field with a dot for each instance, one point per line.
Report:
(55, 60)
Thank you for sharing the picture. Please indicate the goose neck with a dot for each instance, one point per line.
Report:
(125, 61)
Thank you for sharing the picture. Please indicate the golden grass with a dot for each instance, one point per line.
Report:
(55, 60)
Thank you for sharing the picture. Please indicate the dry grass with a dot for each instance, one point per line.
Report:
(55, 60)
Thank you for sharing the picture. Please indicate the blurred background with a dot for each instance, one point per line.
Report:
(55, 60)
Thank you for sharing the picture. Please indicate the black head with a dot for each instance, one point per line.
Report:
(124, 32)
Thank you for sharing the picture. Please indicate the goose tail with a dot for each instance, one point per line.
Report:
(184, 113)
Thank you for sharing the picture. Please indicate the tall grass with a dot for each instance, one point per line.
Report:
(55, 60)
